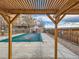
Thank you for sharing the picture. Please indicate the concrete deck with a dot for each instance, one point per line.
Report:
(36, 50)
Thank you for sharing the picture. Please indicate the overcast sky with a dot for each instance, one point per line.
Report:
(48, 23)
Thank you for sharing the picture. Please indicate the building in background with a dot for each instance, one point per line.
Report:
(23, 24)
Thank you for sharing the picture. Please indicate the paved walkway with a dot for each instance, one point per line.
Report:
(36, 50)
(70, 45)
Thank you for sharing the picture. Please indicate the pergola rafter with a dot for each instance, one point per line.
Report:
(66, 7)
(57, 7)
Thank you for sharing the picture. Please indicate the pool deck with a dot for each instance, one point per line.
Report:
(36, 50)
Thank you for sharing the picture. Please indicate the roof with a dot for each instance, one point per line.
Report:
(39, 6)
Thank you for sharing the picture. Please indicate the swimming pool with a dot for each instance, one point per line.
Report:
(31, 37)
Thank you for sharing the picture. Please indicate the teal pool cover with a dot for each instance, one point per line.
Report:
(31, 37)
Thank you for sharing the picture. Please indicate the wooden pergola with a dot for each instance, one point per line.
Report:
(57, 7)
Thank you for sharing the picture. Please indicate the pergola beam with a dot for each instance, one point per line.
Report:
(32, 11)
(56, 20)
(52, 19)
(4, 15)
(5, 18)
(59, 18)
(67, 7)
(14, 18)
(44, 11)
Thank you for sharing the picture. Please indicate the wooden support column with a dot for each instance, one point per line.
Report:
(56, 21)
(56, 43)
(10, 41)
(10, 36)
(7, 19)
(9, 22)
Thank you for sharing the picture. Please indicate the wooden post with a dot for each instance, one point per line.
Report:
(9, 22)
(56, 42)
(56, 21)
(10, 41)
